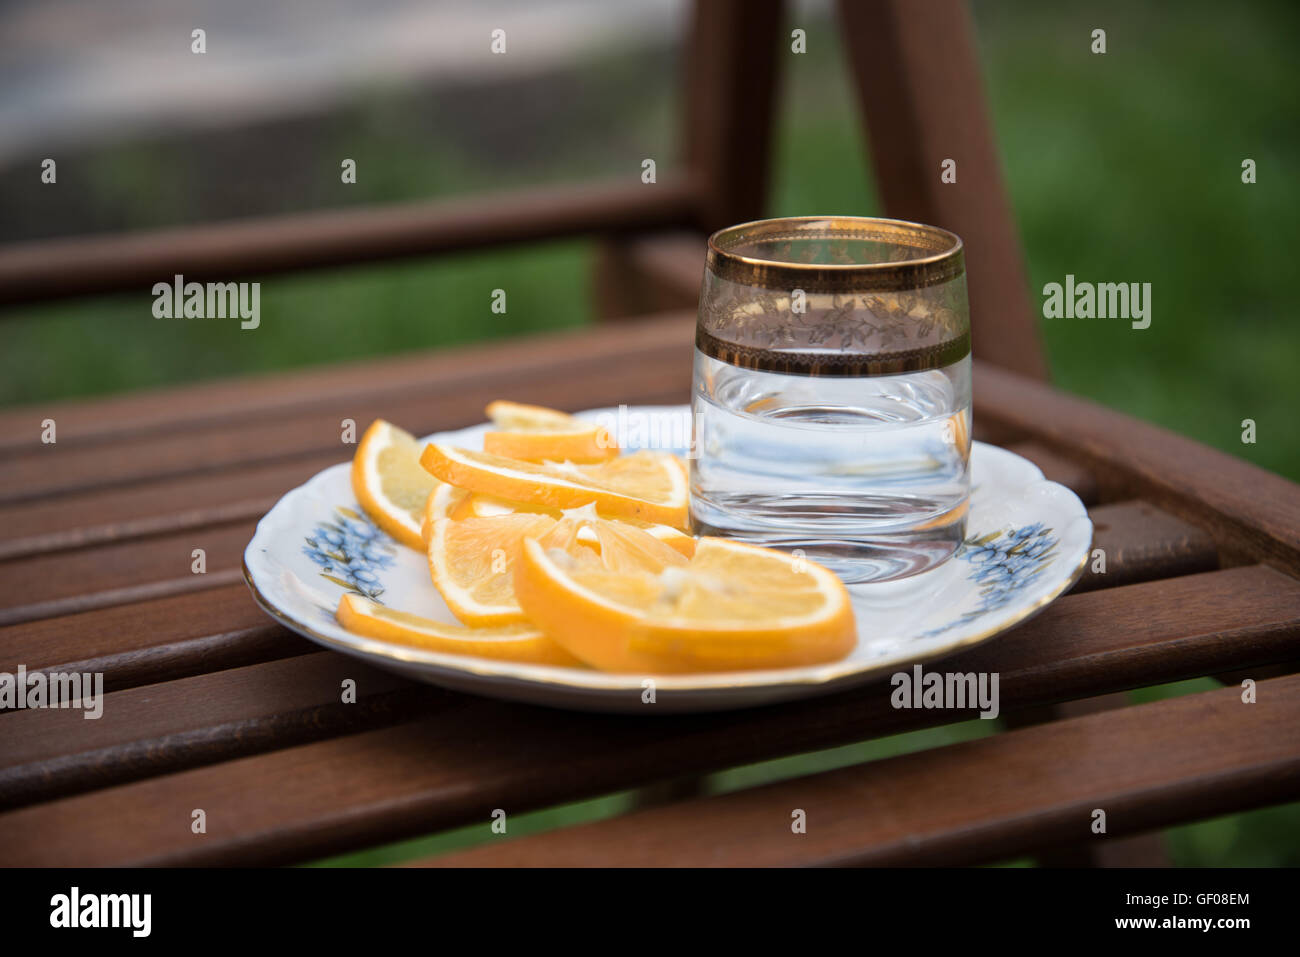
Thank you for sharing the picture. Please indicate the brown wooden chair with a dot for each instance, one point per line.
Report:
(1202, 576)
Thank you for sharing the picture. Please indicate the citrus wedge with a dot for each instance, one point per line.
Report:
(509, 642)
(446, 501)
(472, 560)
(474, 505)
(389, 483)
(650, 486)
(536, 434)
(731, 607)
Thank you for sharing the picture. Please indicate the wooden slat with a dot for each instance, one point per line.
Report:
(455, 768)
(663, 374)
(732, 65)
(181, 724)
(1150, 766)
(1240, 504)
(152, 641)
(251, 399)
(50, 269)
(152, 508)
(919, 82)
(1142, 543)
(68, 582)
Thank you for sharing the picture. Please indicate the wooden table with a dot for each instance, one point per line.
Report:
(210, 705)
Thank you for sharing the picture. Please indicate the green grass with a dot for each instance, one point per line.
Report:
(309, 319)
(1122, 167)
(1127, 166)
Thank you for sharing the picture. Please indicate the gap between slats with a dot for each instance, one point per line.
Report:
(153, 641)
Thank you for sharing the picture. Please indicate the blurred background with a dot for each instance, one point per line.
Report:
(1123, 167)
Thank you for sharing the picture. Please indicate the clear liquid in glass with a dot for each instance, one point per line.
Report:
(867, 475)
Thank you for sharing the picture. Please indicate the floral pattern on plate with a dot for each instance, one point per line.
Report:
(351, 550)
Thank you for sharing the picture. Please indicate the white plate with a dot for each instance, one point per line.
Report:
(1027, 543)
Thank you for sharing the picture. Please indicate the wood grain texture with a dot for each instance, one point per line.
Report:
(1239, 504)
(920, 86)
(247, 400)
(150, 508)
(1141, 543)
(64, 583)
(195, 721)
(455, 767)
(981, 801)
(233, 250)
(152, 641)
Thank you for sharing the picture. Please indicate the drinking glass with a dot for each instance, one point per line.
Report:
(831, 404)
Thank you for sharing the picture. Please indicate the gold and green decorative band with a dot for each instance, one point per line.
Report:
(836, 254)
(833, 363)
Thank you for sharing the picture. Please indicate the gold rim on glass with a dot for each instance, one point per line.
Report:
(940, 257)
(830, 364)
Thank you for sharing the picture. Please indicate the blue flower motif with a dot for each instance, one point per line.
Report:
(360, 531)
(374, 555)
(350, 549)
(1003, 563)
(993, 573)
(1006, 562)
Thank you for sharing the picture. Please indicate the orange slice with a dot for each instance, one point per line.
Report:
(474, 505)
(472, 560)
(509, 643)
(535, 434)
(650, 486)
(731, 607)
(389, 483)
(446, 501)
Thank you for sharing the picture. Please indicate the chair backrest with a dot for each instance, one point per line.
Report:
(919, 84)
